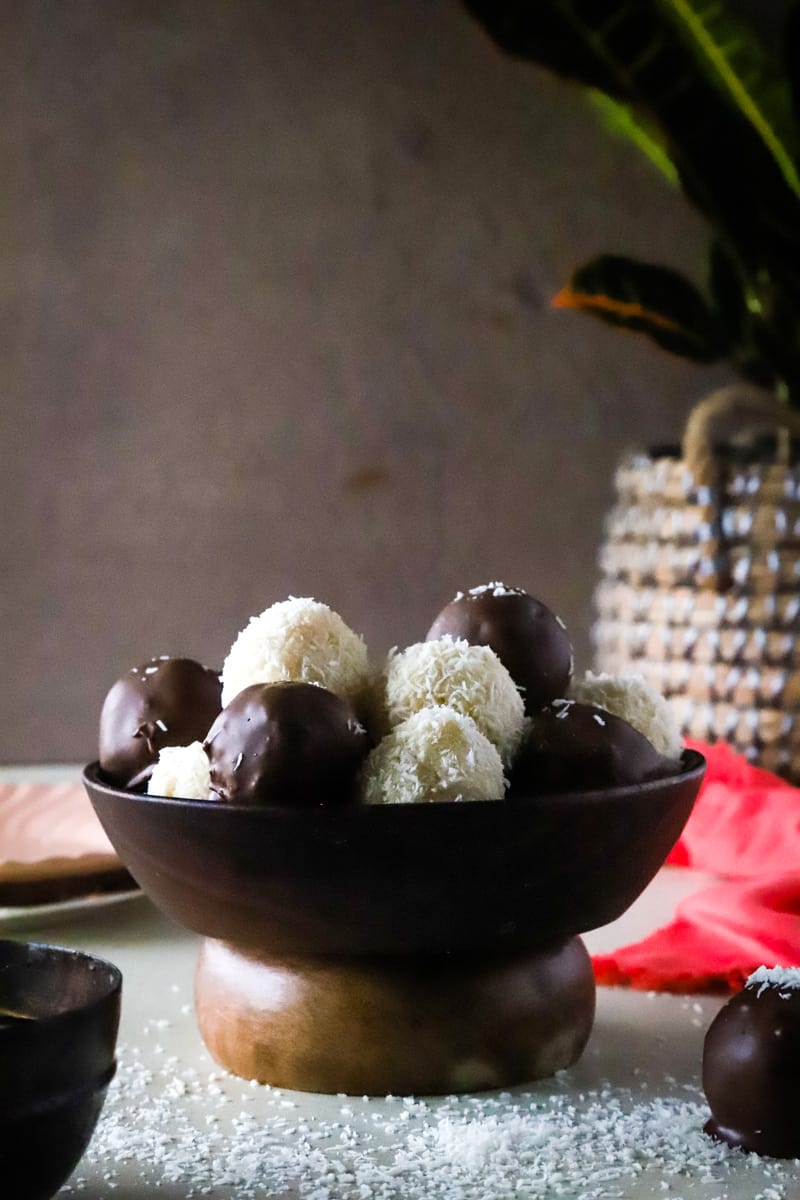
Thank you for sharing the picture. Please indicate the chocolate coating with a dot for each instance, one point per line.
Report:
(164, 702)
(751, 1067)
(526, 636)
(572, 747)
(286, 743)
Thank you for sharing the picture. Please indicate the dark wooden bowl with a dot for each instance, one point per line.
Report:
(398, 879)
(57, 1061)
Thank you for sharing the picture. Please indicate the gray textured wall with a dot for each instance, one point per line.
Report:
(274, 319)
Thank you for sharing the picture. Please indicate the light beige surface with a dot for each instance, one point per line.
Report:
(642, 1046)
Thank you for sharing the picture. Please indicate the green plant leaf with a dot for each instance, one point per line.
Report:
(734, 59)
(634, 50)
(648, 299)
(620, 119)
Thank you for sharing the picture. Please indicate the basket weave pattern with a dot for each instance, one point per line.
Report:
(700, 593)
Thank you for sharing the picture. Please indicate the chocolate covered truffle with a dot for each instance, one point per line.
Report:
(531, 641)
(165, 702)
(287, 743)
(572, 747)
(751, 1066)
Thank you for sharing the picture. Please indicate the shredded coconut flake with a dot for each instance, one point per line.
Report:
(784, 979)
(437, 754)
(454, 673)
(297, 639)
(172, 1127)
(182, 772)
(496, 589)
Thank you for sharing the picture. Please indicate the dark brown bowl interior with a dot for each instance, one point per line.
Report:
(398, 879)
(57, 1055)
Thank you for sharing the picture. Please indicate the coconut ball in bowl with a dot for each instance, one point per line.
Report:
(182, 771)
(436, 754)
(298, 639)
(469, 679)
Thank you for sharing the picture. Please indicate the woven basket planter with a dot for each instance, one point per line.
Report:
(700, 581)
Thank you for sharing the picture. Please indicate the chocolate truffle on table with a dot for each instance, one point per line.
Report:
(288, 743)
(751, 1065)
(165, 702)
(470, 679)
(437, 754)
(573, 747)
(529, 639)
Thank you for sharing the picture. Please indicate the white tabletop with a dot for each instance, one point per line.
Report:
(624, 1122)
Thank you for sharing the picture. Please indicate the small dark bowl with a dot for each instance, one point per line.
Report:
(399, 879)
(56, 1061)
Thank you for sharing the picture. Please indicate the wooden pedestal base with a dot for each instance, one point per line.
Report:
(404, 1025)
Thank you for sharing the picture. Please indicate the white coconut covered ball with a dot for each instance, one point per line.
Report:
(301, 640)
(181, 771)
(469, 679)
(637, 702)
(436, 754)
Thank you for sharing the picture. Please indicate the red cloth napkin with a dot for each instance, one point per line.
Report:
(745, 827)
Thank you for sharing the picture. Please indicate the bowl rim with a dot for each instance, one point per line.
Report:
(53, 1020)
(693, 765)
